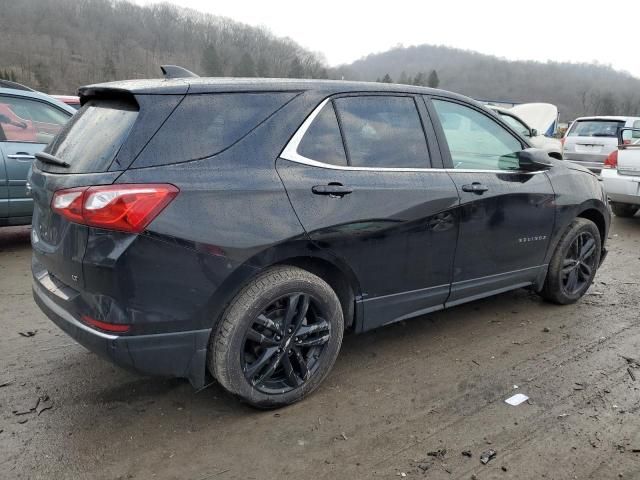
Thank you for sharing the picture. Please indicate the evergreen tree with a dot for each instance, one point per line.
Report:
(296, 70)
(13, 76)
(404, 79)
(387, 78)
(433, 81)
(246, 67)
(211, 63)
(420, 79)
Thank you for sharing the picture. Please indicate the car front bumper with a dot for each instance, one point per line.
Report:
(179, 354)
(621, 188)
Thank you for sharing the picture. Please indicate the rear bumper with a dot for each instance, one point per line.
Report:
(594, 166)
(621, 188)
(179, 354)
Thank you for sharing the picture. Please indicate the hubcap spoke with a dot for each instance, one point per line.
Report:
(585, 270)
(269, 371)
(292, 308)
(588, 249)
(258, 337)
(319, 326)
(267, 323)
(254, 368)
(302, 364)
(572, 281)
(293, 379)
(313, 342)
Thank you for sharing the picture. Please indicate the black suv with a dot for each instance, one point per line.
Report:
(235, 229)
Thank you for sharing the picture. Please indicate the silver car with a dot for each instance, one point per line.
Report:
(590, 140)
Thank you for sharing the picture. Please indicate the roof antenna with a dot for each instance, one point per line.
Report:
(174, 71)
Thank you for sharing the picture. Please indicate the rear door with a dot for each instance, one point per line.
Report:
(28, 126)
(372, 197)
(506, 215)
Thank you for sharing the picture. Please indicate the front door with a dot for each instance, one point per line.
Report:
(370, 198)
(28, 125)
(506, 215)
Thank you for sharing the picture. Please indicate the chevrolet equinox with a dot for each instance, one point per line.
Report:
(235, 229)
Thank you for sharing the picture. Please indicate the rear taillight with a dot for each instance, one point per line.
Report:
(126, 207)
(612, 160)
(105, 326)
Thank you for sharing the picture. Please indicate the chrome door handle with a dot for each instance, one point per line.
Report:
(21, 156)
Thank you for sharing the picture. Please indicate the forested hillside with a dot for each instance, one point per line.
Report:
(578, 89)
(58, 45)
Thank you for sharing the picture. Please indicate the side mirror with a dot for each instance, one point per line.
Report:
(534, 132)
(534, 160)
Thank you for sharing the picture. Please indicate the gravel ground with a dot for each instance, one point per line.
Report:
(405, 400)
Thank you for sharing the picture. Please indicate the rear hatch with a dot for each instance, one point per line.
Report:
(99, 142)
(592, 140)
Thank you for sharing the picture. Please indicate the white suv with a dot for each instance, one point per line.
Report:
(621, 174)
(590, 140)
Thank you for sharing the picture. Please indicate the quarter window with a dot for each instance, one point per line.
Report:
(382, 131)
(476, 141)
(322, 141)
(23, 120)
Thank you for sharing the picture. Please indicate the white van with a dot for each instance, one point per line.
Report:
(590, 140)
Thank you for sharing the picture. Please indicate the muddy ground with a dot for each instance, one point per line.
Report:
(434, 383)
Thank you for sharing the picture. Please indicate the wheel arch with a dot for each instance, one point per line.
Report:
(596, 217)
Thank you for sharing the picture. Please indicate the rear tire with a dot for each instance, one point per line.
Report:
(574, 263)
(278, 339)
(624, 209)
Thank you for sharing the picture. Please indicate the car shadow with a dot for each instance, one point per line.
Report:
(12, 237)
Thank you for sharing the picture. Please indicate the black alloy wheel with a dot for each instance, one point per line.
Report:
(284, 344)
(278, 338)
(579, 263)
(574, 263)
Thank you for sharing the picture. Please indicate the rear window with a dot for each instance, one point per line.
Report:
(91, 140)
(206, 124)
(595, 128)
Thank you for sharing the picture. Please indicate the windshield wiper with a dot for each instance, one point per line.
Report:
(51, 160)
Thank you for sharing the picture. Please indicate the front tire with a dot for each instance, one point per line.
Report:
(278, 339)
(624, 209)
(574, 263)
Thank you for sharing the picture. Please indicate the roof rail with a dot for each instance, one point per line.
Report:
(14, 85)
(174, 71)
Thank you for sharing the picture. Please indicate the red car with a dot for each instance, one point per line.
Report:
(70, 100)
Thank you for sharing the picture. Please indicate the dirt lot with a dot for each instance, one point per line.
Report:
(396, 394)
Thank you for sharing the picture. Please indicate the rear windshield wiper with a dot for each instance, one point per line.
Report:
(50, 159)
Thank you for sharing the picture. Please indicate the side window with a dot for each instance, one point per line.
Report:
(322, 141)
(24, 120)
(475, 140)
(383, 131)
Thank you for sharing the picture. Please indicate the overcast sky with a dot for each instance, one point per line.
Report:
(343, 31)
